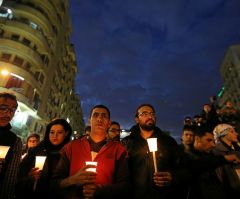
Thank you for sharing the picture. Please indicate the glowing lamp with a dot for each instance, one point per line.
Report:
(152, 144)
(92, 169)
(4, 72)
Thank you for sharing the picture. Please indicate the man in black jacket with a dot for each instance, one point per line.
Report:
(146, 182)
(205, 182)
(9, 165)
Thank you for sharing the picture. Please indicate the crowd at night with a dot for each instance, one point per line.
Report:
(148, 163)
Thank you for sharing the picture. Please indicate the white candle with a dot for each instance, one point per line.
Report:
(152, 144)
(40, 160)
(92, 169)
(3, 151)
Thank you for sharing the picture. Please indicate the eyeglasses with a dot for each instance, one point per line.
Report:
(5, 109)
(114, 130)
(146, 114)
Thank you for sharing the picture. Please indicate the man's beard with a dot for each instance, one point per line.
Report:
(147, 127)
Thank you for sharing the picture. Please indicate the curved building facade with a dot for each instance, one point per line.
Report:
(38, 63)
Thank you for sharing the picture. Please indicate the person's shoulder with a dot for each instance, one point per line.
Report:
(162, 135)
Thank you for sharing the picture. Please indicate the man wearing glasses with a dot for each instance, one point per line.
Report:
(114, 131)
(146, 182)
(9, 164)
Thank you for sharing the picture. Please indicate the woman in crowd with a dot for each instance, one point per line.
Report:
(33, 182)
(32, 141)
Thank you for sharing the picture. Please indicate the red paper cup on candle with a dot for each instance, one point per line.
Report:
(94, 166)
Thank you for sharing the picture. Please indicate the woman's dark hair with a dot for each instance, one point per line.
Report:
(66, 126)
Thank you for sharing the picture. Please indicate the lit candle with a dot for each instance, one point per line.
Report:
(152, 144)
(92, 169)
(40, 160)
(3, 151)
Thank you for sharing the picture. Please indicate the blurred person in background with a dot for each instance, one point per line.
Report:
(32, 141)
(187, 139)
(114, 131)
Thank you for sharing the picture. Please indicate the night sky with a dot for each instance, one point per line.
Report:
(164, 52)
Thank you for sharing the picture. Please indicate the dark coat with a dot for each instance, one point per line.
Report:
(205, 183)
(142, 168)
(9, 167)
(26, 183)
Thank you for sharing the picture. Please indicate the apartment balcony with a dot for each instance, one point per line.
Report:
(8, 45)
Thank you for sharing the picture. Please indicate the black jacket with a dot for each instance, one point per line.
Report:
(141, 164)
(26, 183)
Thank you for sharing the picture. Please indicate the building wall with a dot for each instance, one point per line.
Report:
(230, 72)
(36, 51)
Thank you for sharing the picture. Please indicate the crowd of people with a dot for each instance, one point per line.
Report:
(100, 165)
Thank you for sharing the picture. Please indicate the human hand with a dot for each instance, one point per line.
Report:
(232, 158)
(35, 173)
(162, 179)
(83, 177)
(89, 190)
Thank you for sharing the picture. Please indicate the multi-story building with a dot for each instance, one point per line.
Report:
(38, 63)
(230, 72)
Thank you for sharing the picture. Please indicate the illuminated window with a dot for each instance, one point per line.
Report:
(6, 12)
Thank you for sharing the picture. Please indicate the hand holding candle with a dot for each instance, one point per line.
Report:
(40, 160)
(3, 153)
(152, 144)
(39, 163)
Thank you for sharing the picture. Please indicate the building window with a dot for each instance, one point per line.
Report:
(6, 56)
(33, 25)
(18, 61)
(36, 75)
(26, 41)
(28, 66)
(36, 101)
(6, 12)
(15, 37)
(41, 79)
(14, 82)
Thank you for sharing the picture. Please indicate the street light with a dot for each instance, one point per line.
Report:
(4, 72)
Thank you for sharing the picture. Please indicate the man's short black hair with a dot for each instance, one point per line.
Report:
(140, 106)
(100, 106)
(202, 131)
(11, 96)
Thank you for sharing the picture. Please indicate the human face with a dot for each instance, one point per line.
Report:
(232, 136)
(99, 120)
(32, 142)
(7, 110)
(57, 134)
(187, 137)
(207, 108)
(205, 143)
(146, 118)
(114, 131)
